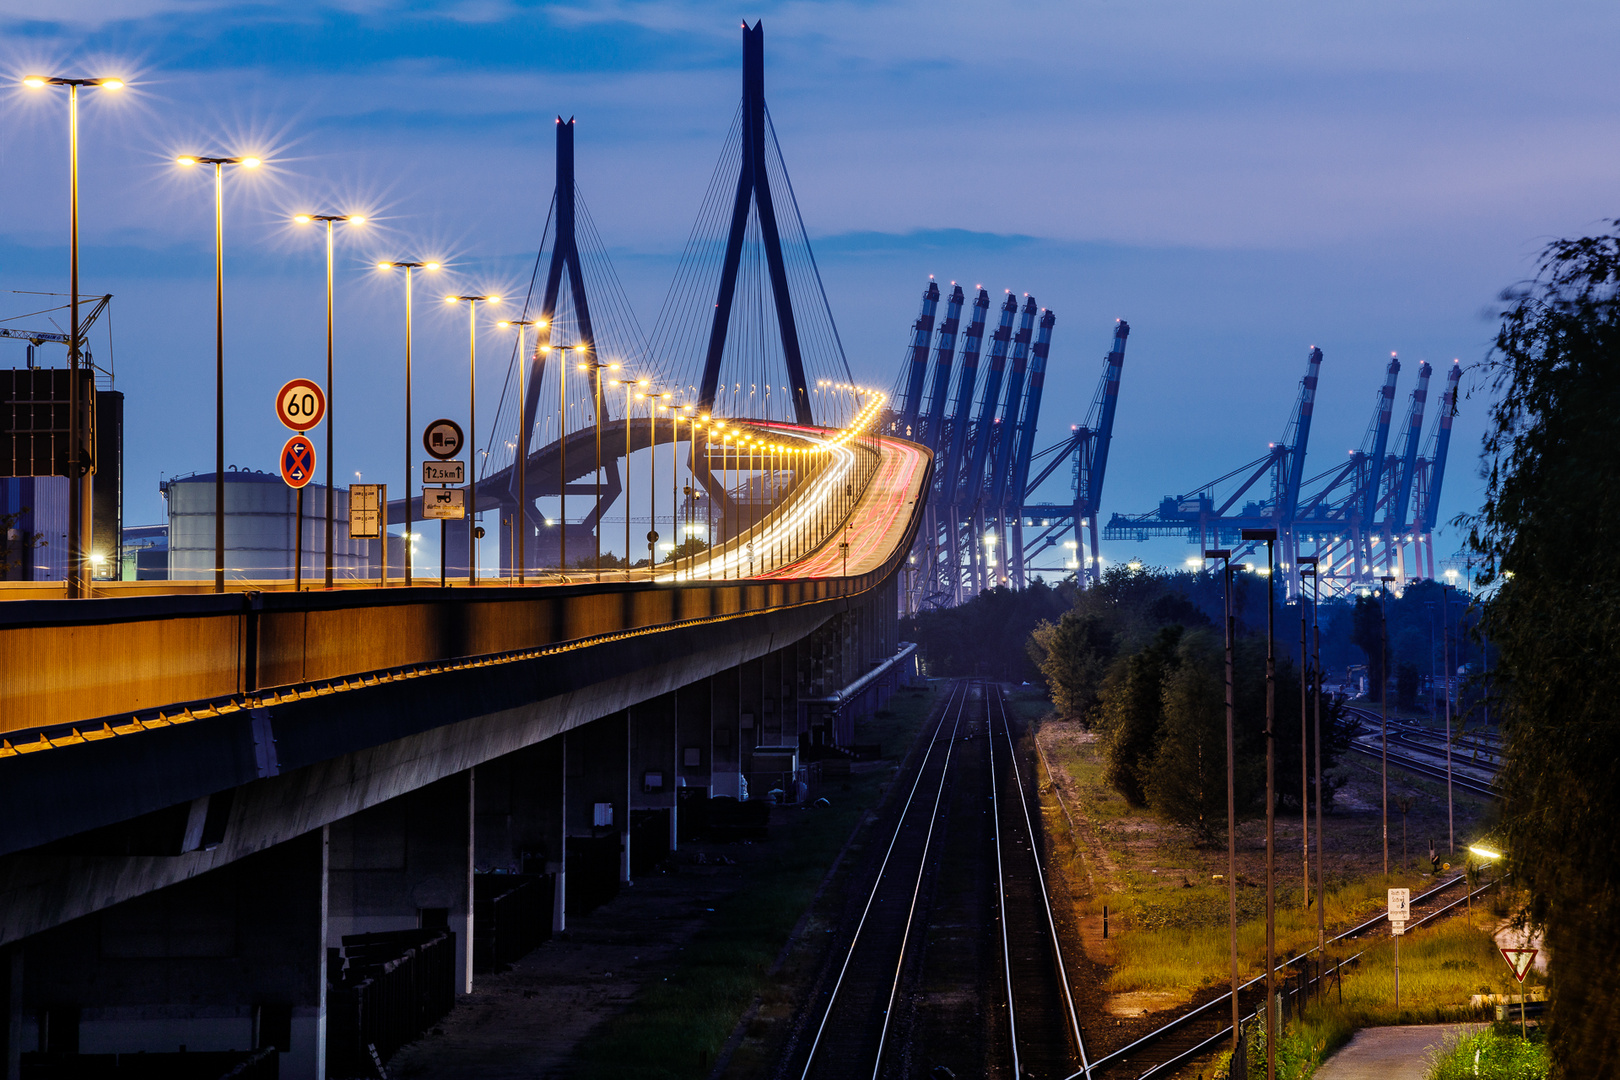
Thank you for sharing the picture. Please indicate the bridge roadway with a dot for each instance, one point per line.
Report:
(146, 740)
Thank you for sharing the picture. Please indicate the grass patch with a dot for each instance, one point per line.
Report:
(1495, 1054)
(676, 1028)
(1178, 941)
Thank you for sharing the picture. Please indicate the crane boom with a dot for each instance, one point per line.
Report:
(1440, 443)
(984, 430)
(1379, 430)
(1402, 482)
(1103, 412)
(1032, 410)
(1299, 435)
(944, 350)
(972, 343)
(922, 331)
(1007, 434)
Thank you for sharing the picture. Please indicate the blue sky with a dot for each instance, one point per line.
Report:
(1239, 181)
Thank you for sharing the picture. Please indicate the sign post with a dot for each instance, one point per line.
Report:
(443, 439)
(1519, 960)
(368, 518)
(1400, 909)
(300, 405)
(297, 470)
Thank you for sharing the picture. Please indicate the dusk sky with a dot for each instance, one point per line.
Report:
(1239, 181)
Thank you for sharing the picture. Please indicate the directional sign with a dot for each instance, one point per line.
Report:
(301, 404)
(447, 502)
(366, 502)
(442, 439)
(298, 461)
(1520, 960)
(444, 472)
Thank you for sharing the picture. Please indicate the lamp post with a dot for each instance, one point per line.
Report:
(523, 440)
(1225, 555)
(79, 517)
(331, 420)
(1383, 700)
(1270, 538)
(472, 303)
(629, 389)
(219, 164)
(1316, 679)
(595, 368)
(562, 456)
(410, 452)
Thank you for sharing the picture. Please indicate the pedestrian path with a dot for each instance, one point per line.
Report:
(1389, 1053)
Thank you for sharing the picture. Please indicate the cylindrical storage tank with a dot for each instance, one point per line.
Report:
(259, 538)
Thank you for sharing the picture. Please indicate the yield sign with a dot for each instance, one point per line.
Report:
(298, 461)
(1519, 960)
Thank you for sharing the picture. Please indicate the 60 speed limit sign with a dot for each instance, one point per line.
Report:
(301, 404)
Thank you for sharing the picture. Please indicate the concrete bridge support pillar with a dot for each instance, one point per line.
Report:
(408, 863)
(518, 824)
(733, 743)
(695, 738)
(234, 959)
(751, 702)
(598, 809)
(653, 770)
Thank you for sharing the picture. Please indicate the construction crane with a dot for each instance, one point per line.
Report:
(1431, 471)
(1196, 514)
(1087, 448)
(40, 337)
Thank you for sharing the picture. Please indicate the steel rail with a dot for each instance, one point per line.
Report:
(1040, 878)
(1158, 1033)
(877, 884)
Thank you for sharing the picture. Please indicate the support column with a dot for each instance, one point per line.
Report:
(598, 811)
(518, 823)
(653, 781)
(407, 863)
(234, 959)
(733, 743)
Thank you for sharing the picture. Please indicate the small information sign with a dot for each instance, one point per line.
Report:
(366, 502)
(1400, 909)
(445, 503)
(444, 472)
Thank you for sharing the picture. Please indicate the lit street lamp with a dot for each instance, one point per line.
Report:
(79, 517)
(219, 164)
(595, 367)
(331, 420)
(472, 427)
(410, 451)
(522, 455)
(1383, 699)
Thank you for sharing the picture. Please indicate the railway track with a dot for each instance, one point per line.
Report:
(1467, 781)
(1208, 1027)
(1043, 1030)
(850, 1039)
(1005, 1009)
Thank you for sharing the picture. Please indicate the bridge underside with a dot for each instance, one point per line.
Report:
(204, 794)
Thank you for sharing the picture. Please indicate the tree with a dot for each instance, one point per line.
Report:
(1367, 630)
(1073, 655)
(1547, 537)
(1130, 714)
(1186, 779)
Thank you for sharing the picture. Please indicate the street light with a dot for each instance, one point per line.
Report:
(79, 516)
(1309, 565)
(523, 435)
(1383, 699)
(595, 367)
(331, 421)
(410, 442)
(219, 164)
(1225, 555)
(629, 390)
(1270, 538)
(472, 303)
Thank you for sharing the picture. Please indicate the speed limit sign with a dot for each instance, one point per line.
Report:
(301, 404)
